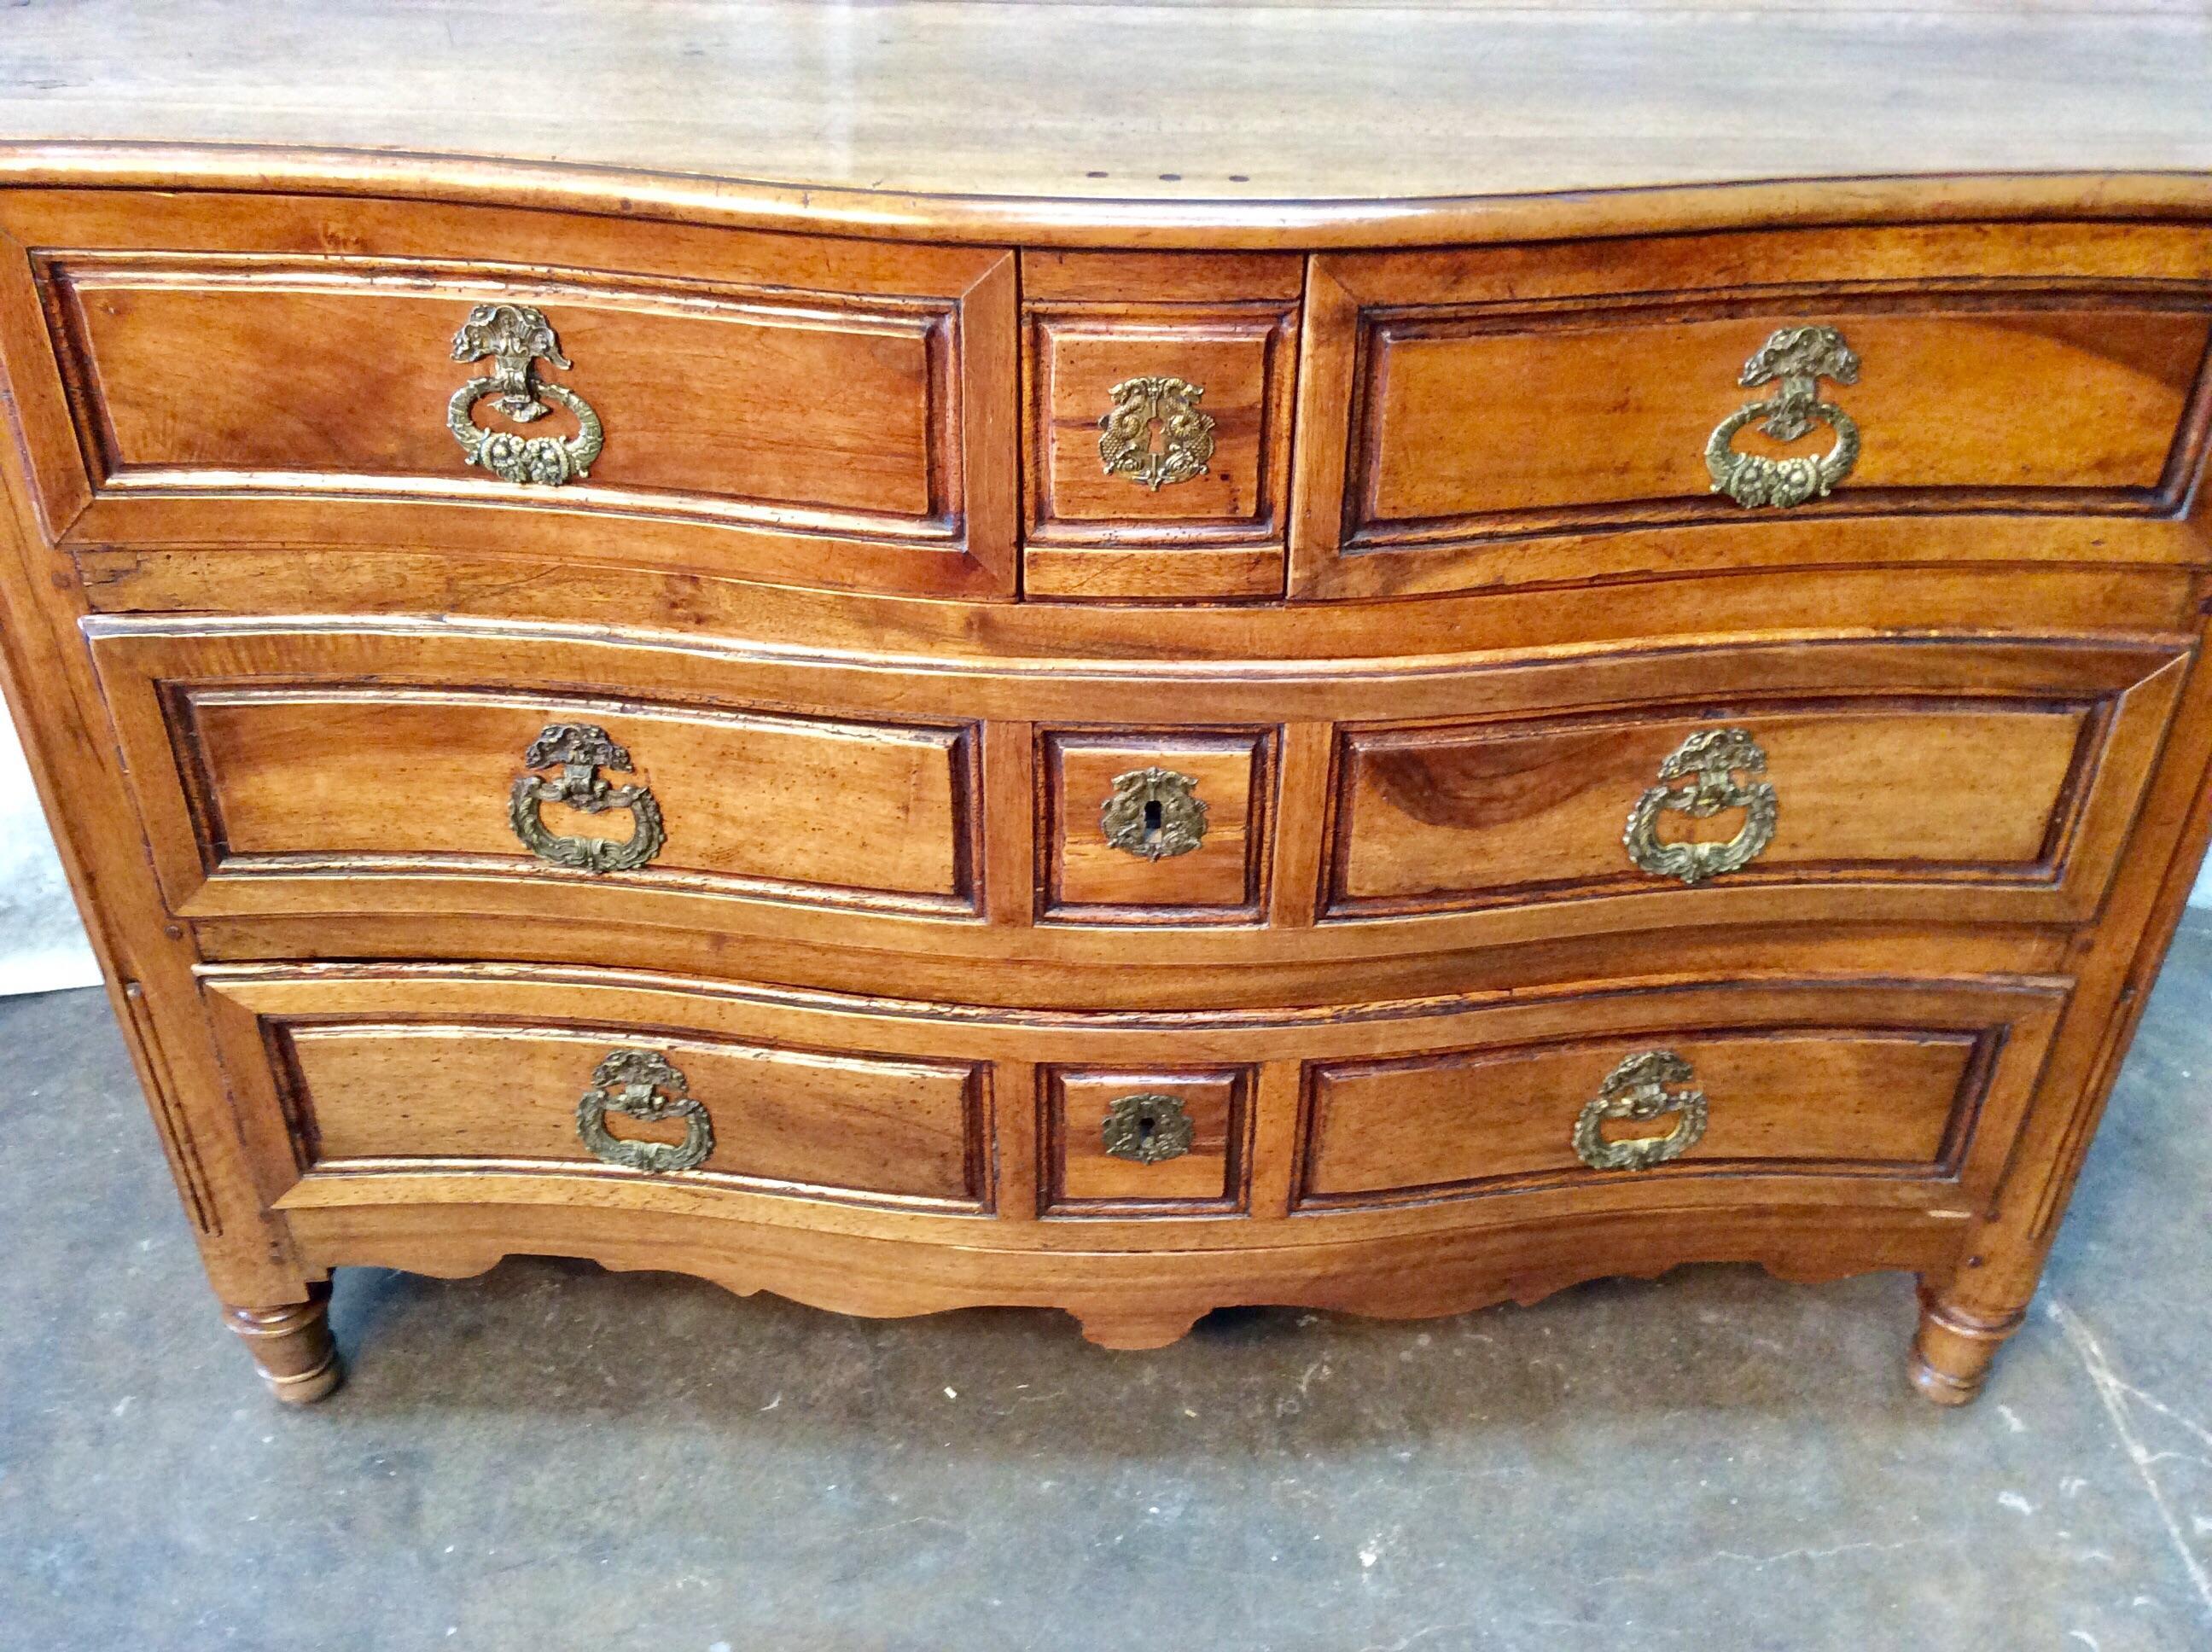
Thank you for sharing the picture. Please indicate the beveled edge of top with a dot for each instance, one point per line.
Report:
(1218, 225)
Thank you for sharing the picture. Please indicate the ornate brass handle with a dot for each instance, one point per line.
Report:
(643, 1085)
(1147, 1128)
(1153, 813)
(1637, 1089)
(1801, 357)
(581, 749)
(1186, 435)
(1710, 761)
(515, 335)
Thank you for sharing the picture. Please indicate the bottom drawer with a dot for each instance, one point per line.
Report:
(552, 1084)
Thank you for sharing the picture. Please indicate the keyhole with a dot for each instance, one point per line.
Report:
(1153, 430)
(1146, 1124)
(1152, 821)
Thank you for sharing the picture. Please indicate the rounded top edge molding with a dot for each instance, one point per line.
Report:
(1076, 221)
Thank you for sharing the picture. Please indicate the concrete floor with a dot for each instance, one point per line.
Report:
(552, 1457)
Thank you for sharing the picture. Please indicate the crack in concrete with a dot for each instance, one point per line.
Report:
(2115, 1394)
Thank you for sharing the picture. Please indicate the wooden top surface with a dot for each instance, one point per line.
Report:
(1179, 112)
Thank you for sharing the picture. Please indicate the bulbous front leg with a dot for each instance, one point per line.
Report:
(1953, 1351)
(291, 1346)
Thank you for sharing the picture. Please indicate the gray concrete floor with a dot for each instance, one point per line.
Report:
(553, 1457)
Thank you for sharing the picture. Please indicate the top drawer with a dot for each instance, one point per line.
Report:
(1457, 403)
(807, 410)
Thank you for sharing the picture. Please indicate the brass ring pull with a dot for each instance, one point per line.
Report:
(643, 1085)
(581, 750)
(1147, 1128)
(1186, 435)
(1800, 358)
(1637, 1089)
(516, 337)
(1710, 761)
(1153, 813)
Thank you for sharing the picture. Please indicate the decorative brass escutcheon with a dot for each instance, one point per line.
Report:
(1710, 761)
(1153, 813)
(643, 1085)
(516, 336)
(1637, 1089)
(1800, 358)
(1147, 1128)
(581, 749)
(1186, 435)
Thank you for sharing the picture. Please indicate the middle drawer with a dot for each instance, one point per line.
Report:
(982, 810)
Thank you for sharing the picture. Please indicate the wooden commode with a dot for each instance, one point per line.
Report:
(1336, 670)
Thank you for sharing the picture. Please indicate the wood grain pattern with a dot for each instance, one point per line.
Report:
(1442, 817)
(789, 1120)
(1934, 791)
(1871, 1102)
(2085, 399)
(1359, 106)
(252, 381)
(356, 779)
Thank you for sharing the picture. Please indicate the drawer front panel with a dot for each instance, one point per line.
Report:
(1456, 403)
(705, 402)
(255, 789)
(1695, 1095)
(2022, 790)
(820, 412)
(2072, 397)
(1158, 413)
(801, 1120)
(1145, 1142)
(1169, 826)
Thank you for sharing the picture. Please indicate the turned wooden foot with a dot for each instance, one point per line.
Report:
(291, 1346)
(1951, 1352)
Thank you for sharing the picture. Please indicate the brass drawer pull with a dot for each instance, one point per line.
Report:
(643, 1085)
(1637, 1089)
(515, 335)
(581, 749)
(1147, 1128)
(1186, 435)
(1153, 813)
(1710, 761)
(1801, 357)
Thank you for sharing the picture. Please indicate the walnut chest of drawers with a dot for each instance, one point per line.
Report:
(910, 751)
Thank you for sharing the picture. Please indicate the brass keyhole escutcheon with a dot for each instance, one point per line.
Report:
(1153, 813)
(1155, 409)
(1147, 1128)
